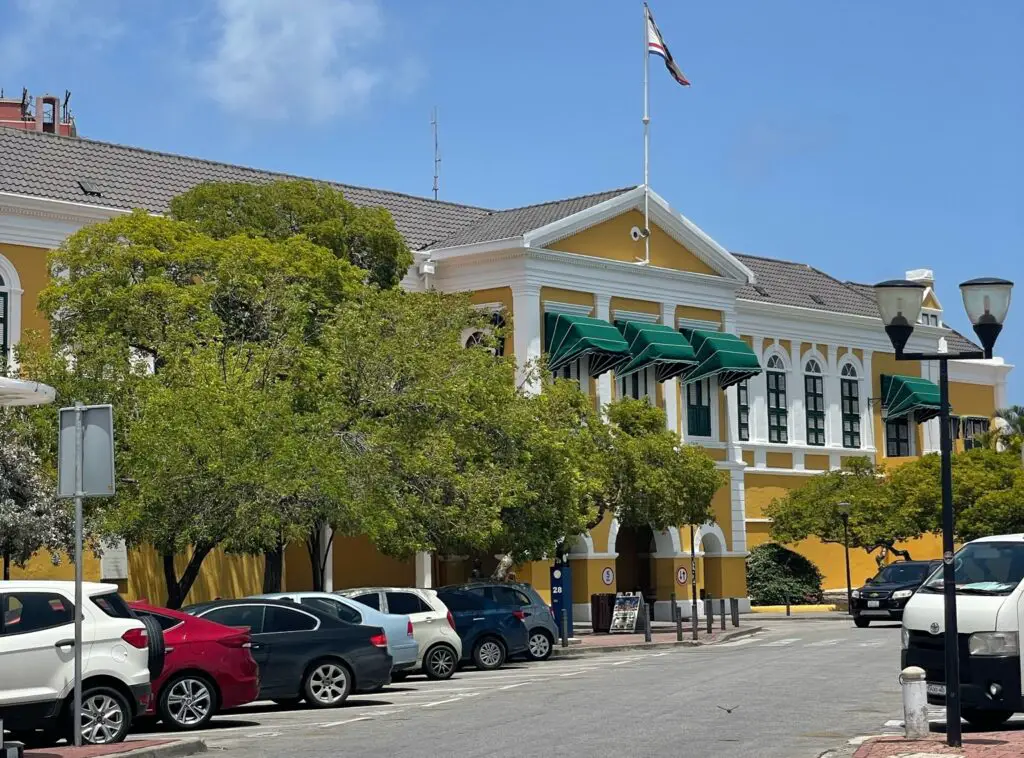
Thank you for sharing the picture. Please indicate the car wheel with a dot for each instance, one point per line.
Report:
(327, 684)
(440, 662)
(540, 646)
(187, 701)
(986, 719)
(105, 716)
(861, 623)
(489, 654)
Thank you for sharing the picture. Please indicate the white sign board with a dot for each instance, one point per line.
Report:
(114, 561)
(97, 453)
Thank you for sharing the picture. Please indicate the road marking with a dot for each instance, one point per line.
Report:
(571, 673)
(658, 655)
(738, 643)
(332, 723)
(780, 643)
(872, 644)
(511, 686)
(824, 643)
(623, 663)
(441, 702)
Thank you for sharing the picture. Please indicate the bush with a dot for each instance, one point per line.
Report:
(776, 574)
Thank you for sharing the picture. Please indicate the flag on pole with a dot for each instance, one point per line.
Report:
(656, 46)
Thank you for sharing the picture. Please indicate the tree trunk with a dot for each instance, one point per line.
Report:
(178, 589)
(273, 568)
(318, 553)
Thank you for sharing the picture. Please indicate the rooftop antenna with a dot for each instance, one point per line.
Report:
(66, 115)
(437, 151)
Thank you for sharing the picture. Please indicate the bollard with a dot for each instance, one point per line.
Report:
(647, 619)
(679, 623)
(915, 703)
(721, 609)
(709, 612)
(565, 627)
(788, 612)
(734, 610)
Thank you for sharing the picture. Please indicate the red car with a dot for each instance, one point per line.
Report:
(208, 668)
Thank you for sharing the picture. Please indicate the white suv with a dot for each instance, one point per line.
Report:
(432, 625)
(37, 661)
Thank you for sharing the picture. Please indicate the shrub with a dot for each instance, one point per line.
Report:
(776, 574)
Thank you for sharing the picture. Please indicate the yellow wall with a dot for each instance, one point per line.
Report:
(972, 399)
(611, 240)
(537, 574)
(778, 460)
(830, 560)
(556, 295)
(698, 314)
(221, 576)
(357, 563)
(586, 578)
(40, 566)
(761, 489)
(816, 462)
(637, 306)
(721, 506)
(32, 270)
(886, 363)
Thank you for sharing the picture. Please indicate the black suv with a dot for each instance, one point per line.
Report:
(884, 596)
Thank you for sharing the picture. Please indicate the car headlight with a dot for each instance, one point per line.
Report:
(902, 594)
(905, 637)
(993, 643)
(855, 593)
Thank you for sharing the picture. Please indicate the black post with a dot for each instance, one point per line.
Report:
(693, 581)
(953, 734)
(846, 546)
(647, 618)
(709, 612)
(565, 628)
(734, 610)
(677, 618)
(721, 612)
(787, 606)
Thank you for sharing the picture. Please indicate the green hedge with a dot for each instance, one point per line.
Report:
(776, 574)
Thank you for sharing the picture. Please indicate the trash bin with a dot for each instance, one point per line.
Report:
(602, 605)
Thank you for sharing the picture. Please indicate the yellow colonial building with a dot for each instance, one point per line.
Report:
(777, 369)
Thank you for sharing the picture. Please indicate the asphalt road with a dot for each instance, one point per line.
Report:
(795, 690)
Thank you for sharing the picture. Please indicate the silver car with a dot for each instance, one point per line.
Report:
(398, 628)
(432, 624)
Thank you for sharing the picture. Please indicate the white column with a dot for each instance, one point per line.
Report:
(527, 330)
(424, 569)
(602, 310)
(737, 493)
(757, 397)
(327, 556)
(833, 401)
(670, 388)
(867, 417)
(795, 397)
(733, 451)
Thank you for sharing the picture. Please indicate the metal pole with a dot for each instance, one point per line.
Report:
(734, 609)
(721, 609)
(565, 627)
(77, 702)
(846, 545)
(677, 616)
(647, 618)
(647, 139)
(709, 612)
(693, 581)
(953, 734)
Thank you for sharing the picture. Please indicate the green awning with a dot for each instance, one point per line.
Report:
(723, 355)
(571, 337)
(903, 395)
(655, 345)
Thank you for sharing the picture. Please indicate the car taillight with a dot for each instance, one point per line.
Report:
(519, 615)
(379, 640)
(451, 620)
(236, 640)
(136, 638)
(408, 630)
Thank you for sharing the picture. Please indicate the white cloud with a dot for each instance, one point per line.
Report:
(294, 60)
(34, 28)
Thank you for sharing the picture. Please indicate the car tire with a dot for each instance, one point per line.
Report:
(541, 645)
(861, 623)
(986, 719)
(106, 716)
(187, 701)
(157, 647)
(327, 683)
(489, 654)
(440, 662)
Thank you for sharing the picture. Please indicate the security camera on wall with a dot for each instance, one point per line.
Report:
(636, 233)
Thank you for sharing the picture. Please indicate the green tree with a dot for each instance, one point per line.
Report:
(878, 517)
(365, 237)
(777, 575)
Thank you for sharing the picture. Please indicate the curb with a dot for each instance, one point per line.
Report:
(584, 652)
(794, 609)
(176, 749)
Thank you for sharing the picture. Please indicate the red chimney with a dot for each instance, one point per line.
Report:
(48, 115)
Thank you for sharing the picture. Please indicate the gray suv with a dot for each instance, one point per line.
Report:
(542, 630)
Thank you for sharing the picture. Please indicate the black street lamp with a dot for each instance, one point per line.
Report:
(986, 302)
(844, 514)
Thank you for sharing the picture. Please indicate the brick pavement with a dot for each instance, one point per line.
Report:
(93, 751)
(976, 745)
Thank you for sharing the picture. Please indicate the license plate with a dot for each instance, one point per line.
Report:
(873, 603)
(936, 689)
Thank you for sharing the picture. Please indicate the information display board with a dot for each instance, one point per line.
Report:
(628, 606)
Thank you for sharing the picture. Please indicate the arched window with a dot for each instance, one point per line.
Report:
(5, 337)
(778, 417)
(849, 393)
(814, 401)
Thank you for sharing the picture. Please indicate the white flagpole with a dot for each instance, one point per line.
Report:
(647, 138)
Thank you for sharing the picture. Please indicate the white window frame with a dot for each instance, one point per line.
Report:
(713, 402)
(651, 382)
(847, 362)
(776, 352)
(12, 286)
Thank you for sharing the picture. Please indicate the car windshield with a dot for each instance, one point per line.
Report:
(985, 568)
(902, 573)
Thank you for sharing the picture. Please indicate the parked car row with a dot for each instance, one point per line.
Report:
(184, 666)
(884, 596)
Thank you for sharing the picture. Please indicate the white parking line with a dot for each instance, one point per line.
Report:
(781, 643)
(825, 643)
(571, 673)
(334, 723)
(512, 686)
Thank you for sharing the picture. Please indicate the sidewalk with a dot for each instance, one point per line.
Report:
(663, 634)
(130, 748)
(976, 745)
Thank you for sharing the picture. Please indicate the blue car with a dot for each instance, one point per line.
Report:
(490, 633)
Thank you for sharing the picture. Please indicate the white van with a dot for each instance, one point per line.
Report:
(990, 615)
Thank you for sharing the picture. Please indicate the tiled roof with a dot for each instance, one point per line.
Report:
(511, 223)
(46, 165)
(797, 284)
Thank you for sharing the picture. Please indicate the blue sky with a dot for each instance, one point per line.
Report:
(863, 138)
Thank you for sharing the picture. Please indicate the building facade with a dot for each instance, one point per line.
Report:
(778, 370)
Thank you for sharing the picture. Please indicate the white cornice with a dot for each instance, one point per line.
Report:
(570, 309)
(987, 372)
(646, 318)
(700, 324)
(56, 210)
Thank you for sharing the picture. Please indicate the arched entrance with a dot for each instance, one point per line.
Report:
(712, 545)
(634, 566)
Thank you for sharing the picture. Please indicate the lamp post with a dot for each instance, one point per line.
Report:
(986, 302)
(844, 514)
